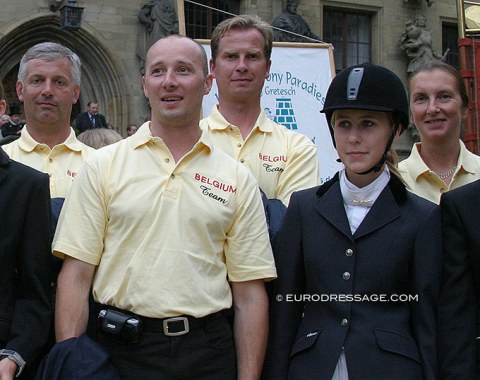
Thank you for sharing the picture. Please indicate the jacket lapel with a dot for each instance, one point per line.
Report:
(4, 162)
(329, 205)
(385, 209)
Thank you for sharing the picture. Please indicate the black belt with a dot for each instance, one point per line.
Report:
(176, 326)
(172, 326)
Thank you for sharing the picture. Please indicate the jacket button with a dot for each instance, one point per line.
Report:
(349, 252)
(344, 322)
(346, 276)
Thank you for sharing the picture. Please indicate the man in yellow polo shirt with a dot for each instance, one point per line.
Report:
(172, 230)
(281, 160)
(48, 85)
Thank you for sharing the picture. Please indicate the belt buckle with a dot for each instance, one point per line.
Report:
(185, 330)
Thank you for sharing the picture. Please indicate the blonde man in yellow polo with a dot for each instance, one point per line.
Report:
(172, 231)
(281, 160)
(48, 85)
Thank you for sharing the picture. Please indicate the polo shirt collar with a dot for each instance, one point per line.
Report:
(205, 140)
(28, 143)
(419, 166)
(143, 136)
(220, 123)
(465, 161)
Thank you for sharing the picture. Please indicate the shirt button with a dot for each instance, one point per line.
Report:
(172, 176)
(349, 252)
(50, 160)
(242, 160)
(167, 160)
(344, 322)
(239, 145)
(346, 276)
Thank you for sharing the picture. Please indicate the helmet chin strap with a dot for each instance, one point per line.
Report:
(380, 163)
(376, 168)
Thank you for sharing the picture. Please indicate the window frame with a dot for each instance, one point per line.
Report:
(341, 44)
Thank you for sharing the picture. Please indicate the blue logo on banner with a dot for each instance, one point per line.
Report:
(284, 113)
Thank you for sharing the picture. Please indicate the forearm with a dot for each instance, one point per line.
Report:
(7, 369)
(251, 333)
(71, 310)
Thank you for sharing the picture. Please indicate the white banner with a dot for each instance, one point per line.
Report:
(294, 94)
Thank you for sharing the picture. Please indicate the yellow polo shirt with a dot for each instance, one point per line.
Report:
(61, 163)
(166, 237)
(427, 184)
(281, 160)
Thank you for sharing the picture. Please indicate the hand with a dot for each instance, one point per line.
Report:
(7, 369)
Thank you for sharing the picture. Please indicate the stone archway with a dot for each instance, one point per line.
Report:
(101, 71)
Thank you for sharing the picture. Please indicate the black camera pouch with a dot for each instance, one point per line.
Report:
(117, 325)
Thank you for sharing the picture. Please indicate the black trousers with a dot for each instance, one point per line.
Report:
(205, 353)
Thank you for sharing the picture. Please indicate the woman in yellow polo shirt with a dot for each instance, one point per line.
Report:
(438, 106)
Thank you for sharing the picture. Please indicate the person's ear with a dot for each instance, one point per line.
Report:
(212, 67)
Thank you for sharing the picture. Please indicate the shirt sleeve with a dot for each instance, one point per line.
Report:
(247, 249)
(83, 219)
(301, 171)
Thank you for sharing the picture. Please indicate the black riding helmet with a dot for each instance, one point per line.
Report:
(368, 87)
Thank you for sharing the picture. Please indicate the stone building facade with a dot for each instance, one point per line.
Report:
(107, 40)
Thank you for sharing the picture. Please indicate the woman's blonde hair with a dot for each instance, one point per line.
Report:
(99, 137)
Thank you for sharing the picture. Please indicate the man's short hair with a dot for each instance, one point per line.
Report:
(200, 47)
(49, 52)
(242, 22)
